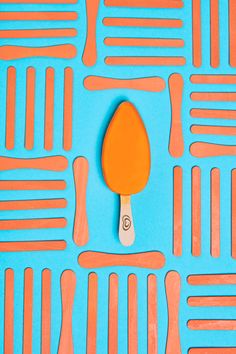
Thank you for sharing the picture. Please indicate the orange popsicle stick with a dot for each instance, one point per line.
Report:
(178, 211)
(215, 35)
(51, 163)
(196, 211)
(9, 312)
(213, 113)
(213, 79)
(200, 149)
(38, 33)
(233, 213)
(215, 212)
(197, 33)
(214, 96)
(173, 4)
(28, 246)
(28, 224)
(212, 279)
(152, 315)
(46, 312)
(38, 1)
(32, 204)
(213, 130)
(90, 259)
(92, 313)
(232, 33)
(38, 16)
(10, 108)
(49, 109)
(32, 185)
(132, 314)
(143, 42)
(152, 84)
(12, 52)
(68, 108)
(212, 301)
(214, 350)
(142, 22)
(28, 311)
(81, 231)
(90, 50)
(213, 325)
(30, 102)
(143, 61)
(113, 315)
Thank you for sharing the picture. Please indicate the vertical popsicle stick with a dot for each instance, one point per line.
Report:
(196, 211)
(10, 108)
(68, 285)
(81, 232)
(173, 283)
(30, 102)
(178, 211)
(232, 33)
(132, 314)
(215, 212)
(215, 35)
(9, 312)
(176, 142)
(233, 213)
(28, 312)
(152, 315)
(49, 109)
(113, 315)
(92, 313)
(197, 33)
(68, 102)
(46, 312)
(90, 50)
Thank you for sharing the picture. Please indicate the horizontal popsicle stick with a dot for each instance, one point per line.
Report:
(173, 4)
(29, 224)
(38, 16)
(12, 52)
(146, 61)
(214, 96)
(32, 185)
(38, 1)
(213, 350)
(213, 79)
(32, 204)
(213, 325)
(144, 42)
(213, 130)
(52, 163)
(142, 22)
(212, 279)
(151, 84)
(38, 33)
(213, 113)
(200, 149)
(202, 301)
(28, 246)
(90, 259)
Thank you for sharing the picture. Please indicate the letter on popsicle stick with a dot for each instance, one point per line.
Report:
(126, 225)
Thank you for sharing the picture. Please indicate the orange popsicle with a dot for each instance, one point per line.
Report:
(126, 162)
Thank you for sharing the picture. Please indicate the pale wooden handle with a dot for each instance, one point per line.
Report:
(126, 225)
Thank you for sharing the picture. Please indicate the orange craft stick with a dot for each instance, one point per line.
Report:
(30, 106)
(38, 33)
(146, 61)
(38, 16)
(215, 35)
(152, 315)
(176, 142)
(132, 314)
(12, 52)
(46, 312)
(9, 312)
(92, 313)
(51, 163)
(197, 33)
(142, 22)
(212, 301)
(151, 84)
(178, 211)
(213, 325)
(172, 4)
(28, 311)
(233, 213)
(232, 33)
(212, 279)
(215, 212)
(196, 211)
(81, 231)
(68, 285)
(143, 42)
(213, 79)
(214, 350)
(213, 130)
(49, 109)
(38, 1)
(28, 224)
(113, 315)
(172, 283)
(10, 108)
(90, 49)
(213, 113)
(28, 246)
(32, 204)
(200, 149)
(214, 96)
(32, 185)
(68, 108)
(90, 259)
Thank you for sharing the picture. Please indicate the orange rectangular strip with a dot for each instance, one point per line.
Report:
(92, 313)
(213, 79)
(178, 211)
(49, 109)
(212, 301)
(38, 33)
(212, 279)
(213, 113)
(215, 212)
(215, 35)
(132, 314)
(233, 213)
(196, 211)
(173, 4)
(213, 130)
(30, 102)
(144, 42)
(9, 312)
(197, 33)
(232, 33)
(32, 204)
(113, 315)
(146, 61)
(142, 22)
(32, 185)
(212, 325)
(24, 224)
(38, 16)
(28, 311)
(26, 246)
(10, 108)
(68, 108)
(152, 315)
(212, 350)
(46, 312)
(213, 96)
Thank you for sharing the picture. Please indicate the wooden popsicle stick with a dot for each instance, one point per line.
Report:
(90, 49)
(46, 312)
(146, 61)
(232, 33)
(143, 42)
(51, 163)
(213, 130)
(12, 52)
(213, 113)
(132, 314)
(173, 284)
(49, 109)
(215, 35)
(173, 4)
(90, 259)
(68, 108)
(32, 185)
(152, 315)
(29, 246)
(142, 22)
(28, 224)
(28, 311)
(176, 142)
(30, 108)
(126, 224)
(200, 149)
(197, 33)
(215, 212)
(32, 204)
(213, 350)
(212, 325)
(233, 213)
(113, 315)
(68, 285)
(81, 230)
(10, 108)
(178, 211)
(213, 79)
(204, 301)
(92, 313)
(214, 96)
(151, 84)
(38, 16)
(38, 1)
(196, 211)
(9, 312)
(38, 33)
(212, 279)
